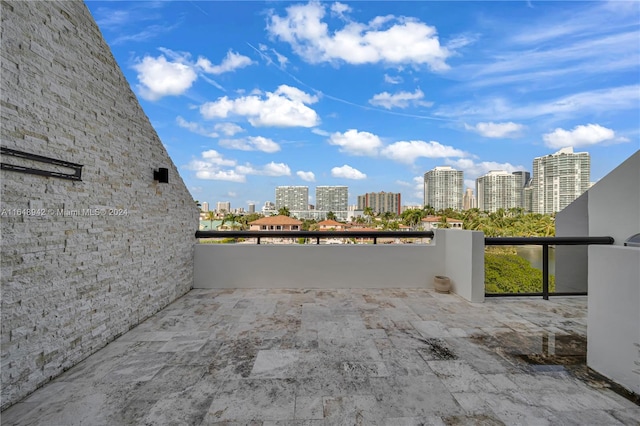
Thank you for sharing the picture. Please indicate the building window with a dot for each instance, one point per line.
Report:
(294, 227)
(271, 227)
(278, 227)
(263, 227)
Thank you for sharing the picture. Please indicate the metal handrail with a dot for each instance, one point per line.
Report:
(545, 242)
(315, 234)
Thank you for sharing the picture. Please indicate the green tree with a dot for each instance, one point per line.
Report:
(284, 211)
(331, 215)
(412, 217)
(210, 216)
(506, 272)
(368, 212)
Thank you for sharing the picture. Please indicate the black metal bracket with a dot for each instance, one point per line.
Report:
(77, 168)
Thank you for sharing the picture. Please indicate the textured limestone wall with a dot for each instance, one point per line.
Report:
(82, 261)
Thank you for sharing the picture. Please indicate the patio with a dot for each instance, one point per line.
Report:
(338, 356)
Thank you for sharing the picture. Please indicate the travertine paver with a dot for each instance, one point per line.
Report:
(338, 357)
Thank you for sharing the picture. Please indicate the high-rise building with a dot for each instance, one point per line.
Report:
(524, 179)
(443, 188)
(499, 189)
(269, 206)
(469, 200)
(205, 206)
(332, 198)
(381, 202)
(223, 206)
(292, 197)
(252, 208)
(558, 179)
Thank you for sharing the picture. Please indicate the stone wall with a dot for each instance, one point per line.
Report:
(82, 261)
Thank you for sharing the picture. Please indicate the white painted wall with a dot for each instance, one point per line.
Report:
(614, 202)
(571, 261)
(464, 262)
(613, 331)
(344, 266)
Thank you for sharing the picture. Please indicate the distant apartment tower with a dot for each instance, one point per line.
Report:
(381, 202)
(558, 179)
(205, 206)
(443, 188)
(252, 208)
(469, 200)
(524, 179)
(223, 206)
(499, 189)
(292, 197)
(269, 206)
(332, 198)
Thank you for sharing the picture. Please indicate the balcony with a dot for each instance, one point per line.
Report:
(258, 343)
(338, 356)
(116, 319)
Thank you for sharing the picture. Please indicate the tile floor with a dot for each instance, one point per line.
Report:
(338, 357)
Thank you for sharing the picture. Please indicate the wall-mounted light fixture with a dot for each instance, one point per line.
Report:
(161, 175)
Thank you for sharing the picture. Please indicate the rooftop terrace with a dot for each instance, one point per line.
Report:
(338, 356)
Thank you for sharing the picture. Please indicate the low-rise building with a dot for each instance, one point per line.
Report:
(276, 223)
(332, 225)
(430, 223)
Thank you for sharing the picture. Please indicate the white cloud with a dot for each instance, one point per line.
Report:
(320, 132)
(286, 107)
(159, 77)
(195, 128)
(228, 129)
(497, 130)
(251, 143)
(271, 169)
(392, 80)
(340, 8)
(231, 62)
(399, 99)
(213, 166)
(356, 143)
(590, 134)
(408, 151)
(611, 99)
(347, 172)
(306, 176)
(385, 39)
(214, 157)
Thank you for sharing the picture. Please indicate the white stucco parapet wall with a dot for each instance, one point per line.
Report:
(613, 332)
(454, 253)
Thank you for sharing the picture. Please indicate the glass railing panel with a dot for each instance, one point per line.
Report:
(513, 269)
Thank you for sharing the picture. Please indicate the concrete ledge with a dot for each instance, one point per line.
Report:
(316, 266)
(455, 253)
(613, 334)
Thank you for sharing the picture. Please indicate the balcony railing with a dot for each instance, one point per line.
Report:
(374, 236)
(317, 235)
(545, 242)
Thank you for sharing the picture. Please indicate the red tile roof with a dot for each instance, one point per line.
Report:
(276, 220)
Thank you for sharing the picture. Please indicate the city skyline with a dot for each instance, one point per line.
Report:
(247, 96)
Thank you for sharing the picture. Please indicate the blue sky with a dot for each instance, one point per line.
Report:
(247, 96)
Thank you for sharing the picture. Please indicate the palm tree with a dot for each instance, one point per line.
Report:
(229, 217)
(284, 211)
(413, 217)
(331, 216)
(210, 215)
(368, 212)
